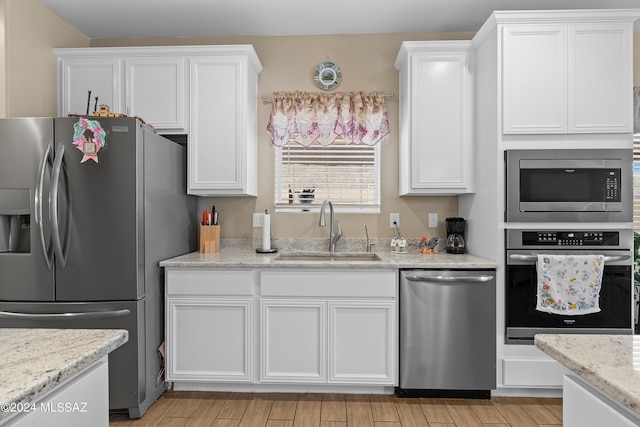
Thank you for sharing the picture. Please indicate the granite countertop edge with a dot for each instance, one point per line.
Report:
(605, 361)
(244, 258)
(35, 361)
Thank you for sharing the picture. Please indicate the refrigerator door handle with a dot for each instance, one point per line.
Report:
(61, 248)
(64, 316)
(47, 250)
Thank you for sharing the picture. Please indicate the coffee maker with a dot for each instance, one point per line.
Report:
(455, 235)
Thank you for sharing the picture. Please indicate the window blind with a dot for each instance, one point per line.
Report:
(346, 174)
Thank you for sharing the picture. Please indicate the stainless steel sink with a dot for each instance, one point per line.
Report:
(327, 257)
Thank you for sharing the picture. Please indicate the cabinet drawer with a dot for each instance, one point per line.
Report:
(332, 283)
(532, 373)
(208, 282)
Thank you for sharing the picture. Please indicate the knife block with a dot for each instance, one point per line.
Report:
(209, 238)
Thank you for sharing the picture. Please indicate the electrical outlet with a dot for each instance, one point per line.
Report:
(433, 220)
(258, 219)
(394, 220)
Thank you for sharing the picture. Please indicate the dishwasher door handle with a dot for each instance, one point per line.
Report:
(449, 279)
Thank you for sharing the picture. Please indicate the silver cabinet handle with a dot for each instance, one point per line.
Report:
(608, 258)
(61, 248)
(64, 316)
(450, 279)
(47, 250)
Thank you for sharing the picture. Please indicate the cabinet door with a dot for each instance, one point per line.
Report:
(222, 137)
(600, 80)
(156, 92)
(78, 76)
(534, 73)
(293, 341)
(436, 142)
(209, 339)
(362, 345)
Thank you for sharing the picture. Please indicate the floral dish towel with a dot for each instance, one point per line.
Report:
(569, 284)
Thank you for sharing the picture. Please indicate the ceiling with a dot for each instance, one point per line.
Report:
(185, 18)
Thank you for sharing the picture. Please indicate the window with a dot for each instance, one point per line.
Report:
(327, 147)
(346, 174)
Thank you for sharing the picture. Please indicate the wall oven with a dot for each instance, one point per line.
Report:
(588, 185)
(523, 320)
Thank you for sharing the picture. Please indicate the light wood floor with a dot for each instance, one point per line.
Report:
(178, 409)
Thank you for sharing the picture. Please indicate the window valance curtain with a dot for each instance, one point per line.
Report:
(308, 117)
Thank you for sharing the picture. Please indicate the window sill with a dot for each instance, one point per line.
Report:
(305, 208)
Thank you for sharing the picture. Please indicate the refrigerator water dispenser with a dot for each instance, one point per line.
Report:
(14, 220)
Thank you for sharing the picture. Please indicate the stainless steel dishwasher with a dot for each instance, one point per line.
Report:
(447, 333)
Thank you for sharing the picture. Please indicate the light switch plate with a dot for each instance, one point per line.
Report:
(258, 219)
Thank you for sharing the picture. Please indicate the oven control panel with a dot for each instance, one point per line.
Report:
(570, 238)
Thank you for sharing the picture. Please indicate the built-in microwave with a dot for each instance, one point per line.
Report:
(575, 185)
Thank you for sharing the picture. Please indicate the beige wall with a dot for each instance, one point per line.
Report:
(28, 65)
(367, 64)
(31, 31)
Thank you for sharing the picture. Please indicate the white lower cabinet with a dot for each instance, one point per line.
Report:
(294, 341)
(209, 332)
(210, 339)
(80, 401)
(583, 405)
(331, 327)
(362, 342)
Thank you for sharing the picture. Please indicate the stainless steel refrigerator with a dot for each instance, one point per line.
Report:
(80, 241)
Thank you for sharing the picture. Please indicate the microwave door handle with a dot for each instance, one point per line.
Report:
(47, 250)
(534, 258)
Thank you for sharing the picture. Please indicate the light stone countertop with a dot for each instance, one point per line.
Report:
(35, 361)
(239, 254)
(605, 361)
(251, 259)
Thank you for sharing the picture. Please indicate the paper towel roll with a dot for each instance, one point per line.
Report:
(266, 231)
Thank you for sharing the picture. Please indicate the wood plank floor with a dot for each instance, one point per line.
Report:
(209, 409)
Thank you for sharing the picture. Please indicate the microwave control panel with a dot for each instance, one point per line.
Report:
(612, 186)
(570, 238)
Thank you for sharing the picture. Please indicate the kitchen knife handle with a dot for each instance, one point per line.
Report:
(47, 250)
(64, 316)
(61, 248)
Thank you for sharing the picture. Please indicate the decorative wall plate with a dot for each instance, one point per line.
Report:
(327, 75)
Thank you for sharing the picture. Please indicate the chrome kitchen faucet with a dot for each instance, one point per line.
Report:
(333, 238)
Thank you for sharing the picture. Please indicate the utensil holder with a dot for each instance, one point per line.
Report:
(209, 238)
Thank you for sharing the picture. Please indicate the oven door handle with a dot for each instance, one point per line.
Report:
(608, 258)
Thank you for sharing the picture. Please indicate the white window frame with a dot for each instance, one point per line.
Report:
(320, 194)
(636, 182)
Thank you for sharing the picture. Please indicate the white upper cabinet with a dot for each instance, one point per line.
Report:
(207, 92)
(147, 82)
(77, 75)
(156, 91)
(567, 77)
(222, 149)
(436, 117)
